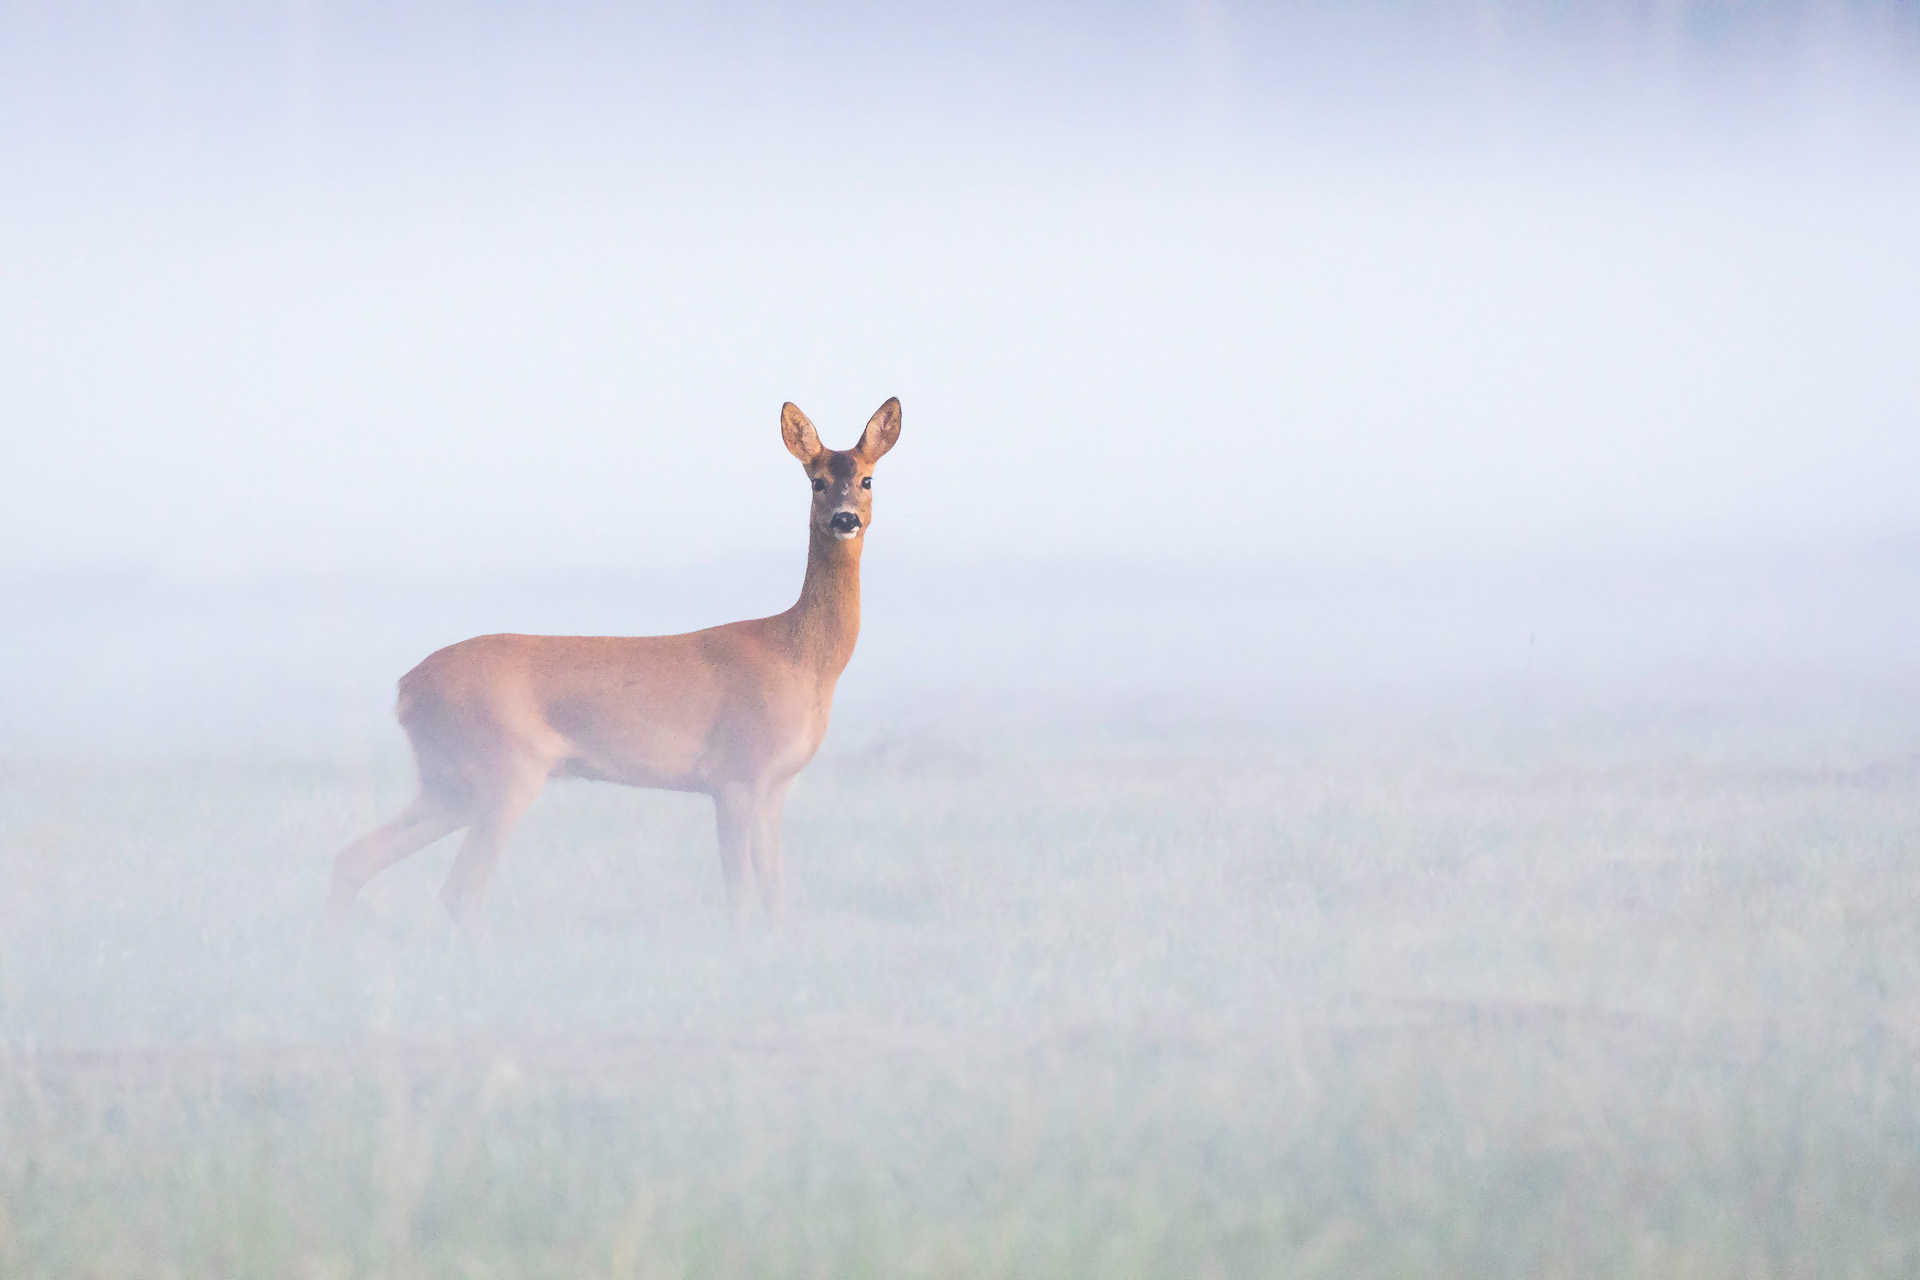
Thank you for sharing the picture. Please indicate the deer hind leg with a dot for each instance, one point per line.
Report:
(769, 873)
(424, 821)
(497, 810)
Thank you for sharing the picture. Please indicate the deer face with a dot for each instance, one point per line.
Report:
(842, 479)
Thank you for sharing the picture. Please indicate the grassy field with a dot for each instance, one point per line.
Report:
(1221, 1001)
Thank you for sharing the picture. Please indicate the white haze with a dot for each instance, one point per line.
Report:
(341, 288)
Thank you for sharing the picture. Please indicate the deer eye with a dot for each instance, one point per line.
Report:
(866, 482)
(818, 484)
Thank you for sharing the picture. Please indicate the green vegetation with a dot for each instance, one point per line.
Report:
(1608, 1007)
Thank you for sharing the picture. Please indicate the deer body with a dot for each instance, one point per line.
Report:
(733, 711)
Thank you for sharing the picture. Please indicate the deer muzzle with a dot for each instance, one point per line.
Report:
(845, 524)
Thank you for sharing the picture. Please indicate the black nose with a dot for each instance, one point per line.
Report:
(844, 522)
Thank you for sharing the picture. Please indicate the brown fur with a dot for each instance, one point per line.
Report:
(734, 711)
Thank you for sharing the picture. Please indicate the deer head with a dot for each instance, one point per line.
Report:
(842, 479)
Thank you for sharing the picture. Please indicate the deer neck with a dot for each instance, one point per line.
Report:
(826, 621)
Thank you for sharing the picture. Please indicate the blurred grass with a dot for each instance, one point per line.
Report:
(1108, 1008)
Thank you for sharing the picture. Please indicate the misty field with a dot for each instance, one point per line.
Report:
(1186, 1000)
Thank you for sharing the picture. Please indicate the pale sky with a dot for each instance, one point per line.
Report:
(330, 287)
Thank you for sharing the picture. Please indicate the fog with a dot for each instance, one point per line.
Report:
(333, 288)
(1383, 736)
(1349, 311)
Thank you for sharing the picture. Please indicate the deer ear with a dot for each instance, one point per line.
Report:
(883, 428)
(803, 442)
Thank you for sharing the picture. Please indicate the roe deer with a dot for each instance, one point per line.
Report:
(734, 711)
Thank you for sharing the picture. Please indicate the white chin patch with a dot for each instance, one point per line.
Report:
(844, 534)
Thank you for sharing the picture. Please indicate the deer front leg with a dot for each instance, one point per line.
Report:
(733, 813)
(769, 870)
